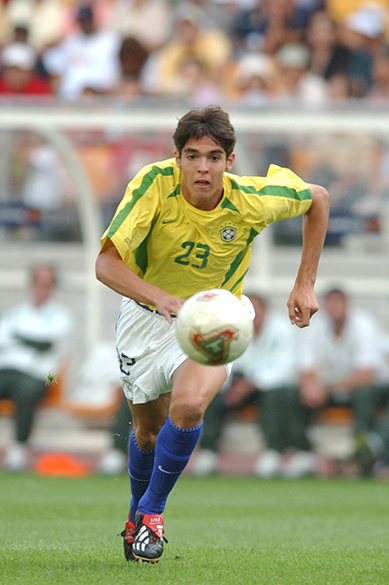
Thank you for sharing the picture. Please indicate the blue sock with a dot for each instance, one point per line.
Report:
(173, 449)
(140, 468)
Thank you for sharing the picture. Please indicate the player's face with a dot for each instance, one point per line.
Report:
(203, 163)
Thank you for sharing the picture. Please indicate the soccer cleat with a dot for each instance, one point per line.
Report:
(128, 539)
(148, 537)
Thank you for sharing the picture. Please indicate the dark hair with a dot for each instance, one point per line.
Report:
(132, 56)
(335, 291)
(209, 121)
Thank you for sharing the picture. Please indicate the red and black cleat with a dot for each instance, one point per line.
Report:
(148, 538)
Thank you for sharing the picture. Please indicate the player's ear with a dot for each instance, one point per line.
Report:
(230, 161)
(178, 158)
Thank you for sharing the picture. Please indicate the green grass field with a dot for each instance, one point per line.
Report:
(221, 531)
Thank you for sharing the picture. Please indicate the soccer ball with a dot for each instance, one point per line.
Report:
(214, 327)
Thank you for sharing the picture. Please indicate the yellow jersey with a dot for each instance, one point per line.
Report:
(182, 249)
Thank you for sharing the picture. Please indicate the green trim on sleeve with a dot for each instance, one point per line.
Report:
(274, 190)
(137, 194)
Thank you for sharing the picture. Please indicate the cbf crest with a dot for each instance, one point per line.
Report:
(228, 233)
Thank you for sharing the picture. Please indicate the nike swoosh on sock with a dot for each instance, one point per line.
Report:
(169, 472)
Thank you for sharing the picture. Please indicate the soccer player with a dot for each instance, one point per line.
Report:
(184, 225)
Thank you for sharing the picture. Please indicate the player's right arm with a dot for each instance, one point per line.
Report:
(112, 271)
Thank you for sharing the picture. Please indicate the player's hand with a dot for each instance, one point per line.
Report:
(302, 304)
(168, 305)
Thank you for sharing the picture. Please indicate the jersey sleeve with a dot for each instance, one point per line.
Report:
(264, 200)
(134, 217)
(291, 195)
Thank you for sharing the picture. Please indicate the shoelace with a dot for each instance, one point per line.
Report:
(123, 534)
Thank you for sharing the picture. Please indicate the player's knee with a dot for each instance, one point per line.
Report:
(188, 414)
(146, 437)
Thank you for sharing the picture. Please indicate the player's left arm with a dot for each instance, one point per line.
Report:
(302, 302)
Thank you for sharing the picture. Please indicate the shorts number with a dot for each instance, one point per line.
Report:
(201, 253)
(125, 363)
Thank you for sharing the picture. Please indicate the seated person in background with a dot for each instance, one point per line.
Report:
(18, 61)
(96, 390)
(342, 362)
(34, 337)
(264, 375)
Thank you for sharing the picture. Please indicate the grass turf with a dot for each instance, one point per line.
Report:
(221, 531)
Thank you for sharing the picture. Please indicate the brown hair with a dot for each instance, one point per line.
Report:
(209, 121)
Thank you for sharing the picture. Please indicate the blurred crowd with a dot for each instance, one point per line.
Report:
(246, 52)
(238, 53)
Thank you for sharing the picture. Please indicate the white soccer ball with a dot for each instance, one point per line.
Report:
(214, 327)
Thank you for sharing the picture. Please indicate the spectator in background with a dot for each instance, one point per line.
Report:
(18, 75)
(264, 375)
(211, 48)
(210, 14)
(194, 84)
(379, 91)
(297, 86)
(339, 11)
(149, 21)
(362, 33)
(342, 362)
(21, 34)
(102, 11)
(42, 18)
(88, 59)
(34, 339)
(132, 56)
(329, 57)
(255, 80)
(268, 24)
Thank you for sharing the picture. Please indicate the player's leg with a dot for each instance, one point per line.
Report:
(148, 419)
(194, 386)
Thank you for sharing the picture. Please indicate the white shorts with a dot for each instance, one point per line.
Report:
(148, 352)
